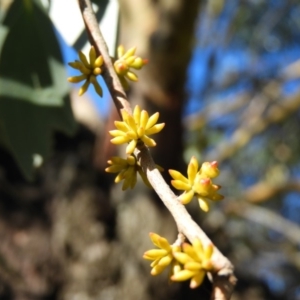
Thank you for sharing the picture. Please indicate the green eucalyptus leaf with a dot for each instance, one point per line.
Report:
(34, 99)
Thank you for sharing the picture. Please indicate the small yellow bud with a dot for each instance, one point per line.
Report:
(131, 135)
(157, 270)
(203, 203)
(177, 175)
(180, 185)
(165, 261)
(161, 257)
(116, 133)
(131, 146)
(186, 197)
(132, 76)
(76, 79)
(83, 59)
(140, 131)
(129, 52)
(131, 160)
(98, 62)
(89, 71)
(197, 280)
(137, 63)
(98, 88)
(137, 114)
(97, 71)
(83, 89)
(182, 275)
(149, 142)
(130, 60)
(155, 129)
(75, 64)
(210, 169)
(154, 254)
(192, 169)
(193, 266)
(121, 126)
(119, 140)
(183, 258)
(144, 119)
(92, 55)
(120, 51)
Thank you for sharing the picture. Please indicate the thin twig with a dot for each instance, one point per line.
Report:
(224, 279)
(96, 39)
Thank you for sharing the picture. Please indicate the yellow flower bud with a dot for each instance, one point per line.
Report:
(180, 185)
(131, 146)
(157, 270)
(203, 203)
(165, 261)
(89, 71)
(97, 71)
(132, 76)
(155, 129)
(210, 169)
(178, 176)
(162, 257)
(152, 120)
(193, 266)
(129, 52)
(192, 169)
(97, 88)
(131, 160)
(149, 142)
(202, 187)
(137, 63)
(144, 119)
(122, 126)
(119, 140)
(76, 79)
(186, 197)
(182, 275)
(124, 63)
(98, 62)
(183, 258)
(197, 280)
(92, 56)
(120, 51)
(154, 254)
(83, 89)
(196, 262)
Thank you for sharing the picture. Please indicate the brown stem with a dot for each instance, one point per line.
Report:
(96, 39)
(223, 277)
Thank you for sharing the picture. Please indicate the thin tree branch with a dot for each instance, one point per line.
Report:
(223, 278)
(96, 39)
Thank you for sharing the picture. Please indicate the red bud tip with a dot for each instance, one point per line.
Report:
(121, 66)
(205, 181)
(214, 164)
(145, 61)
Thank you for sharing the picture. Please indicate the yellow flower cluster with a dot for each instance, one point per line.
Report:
(196, 262)
(127, 169)
(162, 257)
(124, 63)
(189, 262)
(89, 69)
(135, 129)
(198, 183)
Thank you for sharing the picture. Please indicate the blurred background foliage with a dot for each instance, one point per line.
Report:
(225, 76)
